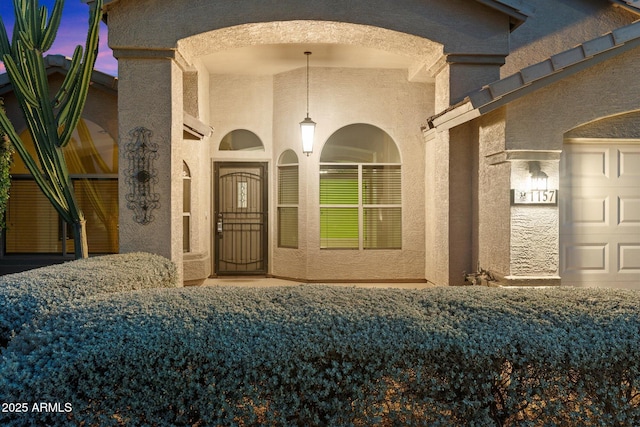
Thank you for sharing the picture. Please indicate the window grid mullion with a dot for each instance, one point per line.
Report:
(360, 211)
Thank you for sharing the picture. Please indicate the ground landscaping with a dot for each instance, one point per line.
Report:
(315, 355)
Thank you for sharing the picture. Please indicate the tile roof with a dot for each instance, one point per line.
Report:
(62, 64)
(539, 75)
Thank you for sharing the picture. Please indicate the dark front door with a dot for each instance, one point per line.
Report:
(241, 218)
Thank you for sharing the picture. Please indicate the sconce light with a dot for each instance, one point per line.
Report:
(538, 179)
(307, 126)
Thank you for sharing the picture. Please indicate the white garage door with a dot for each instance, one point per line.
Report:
(600, 214)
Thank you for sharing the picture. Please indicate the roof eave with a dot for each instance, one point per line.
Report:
(626, 5)
(517, 10)
(537, 76)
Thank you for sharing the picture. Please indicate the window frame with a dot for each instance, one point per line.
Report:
(291, 206)
(65, 233)
(361, 205)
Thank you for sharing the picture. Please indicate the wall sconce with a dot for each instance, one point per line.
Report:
(307, 126)
(538, 179)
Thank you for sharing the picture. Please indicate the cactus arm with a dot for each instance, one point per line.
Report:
(5, 46)
(33, 115)
(63, 95)
(51, 30)
(41, 84)
(58, 203)
(18, 80)
(82, 88)
(50, 122)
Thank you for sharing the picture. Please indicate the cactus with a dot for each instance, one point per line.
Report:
(51, 121)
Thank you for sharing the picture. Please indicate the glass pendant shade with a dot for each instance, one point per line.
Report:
(307, 129)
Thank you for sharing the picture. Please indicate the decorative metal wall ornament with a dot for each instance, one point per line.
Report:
(142, 175)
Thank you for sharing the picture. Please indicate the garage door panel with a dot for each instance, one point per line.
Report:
(593, 210)
(629, 256)
(629, 211)
(589, 162)
(599, 203)
(586, 258)
(629, 163)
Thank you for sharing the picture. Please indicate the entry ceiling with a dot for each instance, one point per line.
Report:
(273, 59)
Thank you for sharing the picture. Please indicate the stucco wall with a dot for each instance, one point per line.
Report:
(534, 229)
(462, 192)
(340, 97)
(625, 126)
(197, 262)
(541, 119)
(560, 25)
(153, 23)
(494, 215)
(272, 107)
(158, 108)
(241, 102)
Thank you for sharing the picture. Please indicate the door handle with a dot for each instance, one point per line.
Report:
(219, 223)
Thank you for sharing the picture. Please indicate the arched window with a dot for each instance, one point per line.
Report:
(288, 200)
(241, 140)
(360, 190)
(186, 208)
(92, 159)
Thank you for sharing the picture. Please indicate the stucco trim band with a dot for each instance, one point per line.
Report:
(172, 54)
(523, 155)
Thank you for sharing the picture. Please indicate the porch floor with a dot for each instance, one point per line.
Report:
(272, 281)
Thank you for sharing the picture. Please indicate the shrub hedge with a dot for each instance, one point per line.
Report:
(24, 296)
(329, 356)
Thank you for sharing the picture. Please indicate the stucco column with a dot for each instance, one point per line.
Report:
(450, 217)
(437, 209)
(450, 160)
(150, 112)
(459, 74)
(532, 256)
(535, 247)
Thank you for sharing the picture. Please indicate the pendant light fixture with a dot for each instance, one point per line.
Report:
(307, 126)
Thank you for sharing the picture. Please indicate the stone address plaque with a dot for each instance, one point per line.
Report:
(534, 197)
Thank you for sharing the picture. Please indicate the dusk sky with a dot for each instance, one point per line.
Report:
(72, 32)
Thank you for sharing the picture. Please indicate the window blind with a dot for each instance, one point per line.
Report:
(288, 227)
(34, 226)
(339, 228)
(361, 197)
(382, 228)
(32, 223)
(288, 185)
(98, 199)
(339, 185)
(288, 206)
(381, 185)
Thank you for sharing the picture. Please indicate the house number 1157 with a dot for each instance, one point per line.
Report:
(534, 197)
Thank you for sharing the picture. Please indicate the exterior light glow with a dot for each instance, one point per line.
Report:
(307, 126)
(538, 179)
(307, 129)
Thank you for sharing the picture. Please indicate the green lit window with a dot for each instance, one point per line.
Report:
(360, 190)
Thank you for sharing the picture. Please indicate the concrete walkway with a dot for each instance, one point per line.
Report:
(270, 281)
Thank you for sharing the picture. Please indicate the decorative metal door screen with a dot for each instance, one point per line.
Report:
(241, 218)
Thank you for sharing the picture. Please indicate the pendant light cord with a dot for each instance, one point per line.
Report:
(307, 53)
